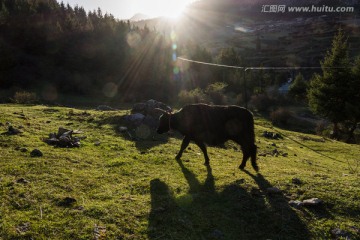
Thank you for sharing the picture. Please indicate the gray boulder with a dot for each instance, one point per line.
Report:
(105, 108)
(143, 120)
(149, 107)
(312, 202)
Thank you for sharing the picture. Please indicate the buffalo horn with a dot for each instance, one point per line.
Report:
(161, 110)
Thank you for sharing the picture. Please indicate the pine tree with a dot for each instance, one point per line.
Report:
(4, 13)
(329, 92)
(353, 103)
(229, 56)
(298, 88)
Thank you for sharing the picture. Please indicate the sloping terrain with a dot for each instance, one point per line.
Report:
(262, 39)
(115, 188)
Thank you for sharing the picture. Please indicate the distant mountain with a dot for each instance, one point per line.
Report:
(139, 17)
(268, 39)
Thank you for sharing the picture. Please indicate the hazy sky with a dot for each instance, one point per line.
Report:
(124, 9)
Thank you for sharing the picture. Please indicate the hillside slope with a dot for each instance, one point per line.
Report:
(115, 188)
(263, 38)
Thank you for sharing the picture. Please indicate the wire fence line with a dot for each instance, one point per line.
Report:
(275, 68)
(256, 68)
(210, 64)
(245, 69)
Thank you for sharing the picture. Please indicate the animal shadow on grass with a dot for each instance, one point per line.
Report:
(231, 213)
(279, 202)
(143, 136)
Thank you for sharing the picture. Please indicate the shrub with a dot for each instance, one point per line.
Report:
(261, 102)
(233, 98)
(277, 99)
(322, 128)
(280, 116)
(196, 95)
(25, 97)
(216, 94)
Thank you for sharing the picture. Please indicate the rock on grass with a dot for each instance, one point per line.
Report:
(66, 202)
(296, 203)
(312, 202)
(338, 233)
(22, 181)
(23, 227)
(36, 153)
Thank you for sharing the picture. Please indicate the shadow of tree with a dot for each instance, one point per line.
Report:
(233, 213)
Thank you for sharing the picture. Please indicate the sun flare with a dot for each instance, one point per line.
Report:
(169, 8)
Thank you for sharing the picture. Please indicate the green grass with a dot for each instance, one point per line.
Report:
(137, 190)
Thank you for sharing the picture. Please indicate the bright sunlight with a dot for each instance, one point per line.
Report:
(168, 8)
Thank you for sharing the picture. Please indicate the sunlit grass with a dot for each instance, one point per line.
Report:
(136, 190)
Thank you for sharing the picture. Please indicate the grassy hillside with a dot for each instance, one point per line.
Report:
(115, 188)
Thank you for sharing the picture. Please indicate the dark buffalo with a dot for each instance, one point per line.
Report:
(213, 125)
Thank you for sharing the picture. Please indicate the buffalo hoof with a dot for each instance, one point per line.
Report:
(256, 168)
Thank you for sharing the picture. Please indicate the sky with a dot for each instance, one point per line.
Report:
(125, 9)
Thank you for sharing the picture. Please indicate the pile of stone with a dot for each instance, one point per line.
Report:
(64, 138)
(149, 107)
(12, 131)
(275, 153)
(144, 119)
(272, 135)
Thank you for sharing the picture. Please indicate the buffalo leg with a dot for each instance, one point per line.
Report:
(253, 157)
(184, 145)
(246, 156)
(202, 146)
(249, 152)
(245, 152)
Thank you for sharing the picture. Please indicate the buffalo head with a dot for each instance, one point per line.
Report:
(164, 122)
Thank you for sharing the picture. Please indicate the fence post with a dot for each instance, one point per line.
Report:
(245, 88)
